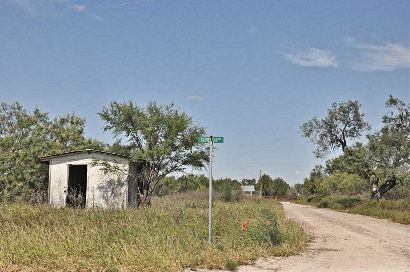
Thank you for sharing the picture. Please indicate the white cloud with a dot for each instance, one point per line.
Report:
(382, 57)
(313, 57)
(195, 98)
(297, 172)
(85, 10)
(45, 7)
(79, 8)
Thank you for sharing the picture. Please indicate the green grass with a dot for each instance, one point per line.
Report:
(397, 210)
(169, 236)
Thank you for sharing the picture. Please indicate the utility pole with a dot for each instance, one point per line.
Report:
(260, 183)
(211, 146)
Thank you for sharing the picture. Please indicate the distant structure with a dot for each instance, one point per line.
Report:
(248, 189)
(74, 182)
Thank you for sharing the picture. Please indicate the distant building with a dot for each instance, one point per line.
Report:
(248, 189)
(73, 181)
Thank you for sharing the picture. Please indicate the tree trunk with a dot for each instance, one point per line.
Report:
(379, 192)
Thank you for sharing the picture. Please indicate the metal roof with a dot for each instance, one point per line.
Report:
(88, 151)
(248, 188)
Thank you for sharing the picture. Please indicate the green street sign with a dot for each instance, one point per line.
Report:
(203, 139)
(206, 139)
(218, 140)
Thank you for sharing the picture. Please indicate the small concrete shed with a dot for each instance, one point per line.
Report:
(248, 189)
(73, 181)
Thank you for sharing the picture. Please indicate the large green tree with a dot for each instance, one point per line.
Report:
(26, 135)
(343, 122)
(384, 160)
(273, 187)
(160, 137)
(390, 148)
(356, 160)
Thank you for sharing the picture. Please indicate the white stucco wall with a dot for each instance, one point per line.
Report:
(103, 190)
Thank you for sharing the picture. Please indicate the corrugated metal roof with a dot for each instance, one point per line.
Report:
(88, 151)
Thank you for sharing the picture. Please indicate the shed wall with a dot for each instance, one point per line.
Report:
(103, 190)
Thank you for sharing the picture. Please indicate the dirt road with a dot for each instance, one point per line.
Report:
(343, 242)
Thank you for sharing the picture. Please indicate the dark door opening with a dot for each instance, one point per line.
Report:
(77, 185)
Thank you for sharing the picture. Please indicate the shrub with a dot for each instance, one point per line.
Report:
(329, 202)
(343, 184)
(339, 202)
(229, 190)
(231, 265)
(274, 231)
(349, 201)
(230, 194)
(396, 210)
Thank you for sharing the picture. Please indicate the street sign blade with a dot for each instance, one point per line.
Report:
(203, 139)
(218, 140)
(206, 139)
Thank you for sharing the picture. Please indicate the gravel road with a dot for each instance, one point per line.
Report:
(343, 242)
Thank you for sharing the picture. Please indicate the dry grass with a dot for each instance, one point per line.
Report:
(397, 210)
(169, 236)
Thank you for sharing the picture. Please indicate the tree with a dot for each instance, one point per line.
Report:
(342, 122)
(229, 189)
(356, 160)
(192, 183)
(299, 188)
(160, 137)
(248, 181)
(311, 185)
(273, 187)
(390, 148)
(343, 184)
(385, 156)
(264, 179)
(24, 136)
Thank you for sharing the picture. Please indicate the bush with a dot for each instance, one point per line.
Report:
(349, 201)
(228, 189)
(396, 210)
(329, 202)
(339, 202)
(343, 184)
(231, 265)
(230, 194)
(274, 231)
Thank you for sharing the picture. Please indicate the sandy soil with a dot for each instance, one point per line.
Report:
(343, 242)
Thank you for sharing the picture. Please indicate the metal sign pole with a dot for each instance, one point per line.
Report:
(211, 145)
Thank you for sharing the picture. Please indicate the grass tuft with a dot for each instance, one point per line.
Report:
(231, 265)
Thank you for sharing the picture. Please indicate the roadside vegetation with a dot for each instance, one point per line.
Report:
(168, 229)
(168, 236)
(370, 177)
(397, 210)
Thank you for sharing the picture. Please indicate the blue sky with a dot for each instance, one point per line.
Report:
(251, 71)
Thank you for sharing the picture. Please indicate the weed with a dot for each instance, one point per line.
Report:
(397, 210)
(231, 265)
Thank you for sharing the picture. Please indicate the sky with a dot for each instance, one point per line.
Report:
(250, 71)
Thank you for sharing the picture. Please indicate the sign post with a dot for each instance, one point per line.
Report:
(211, 146)
(211, 140)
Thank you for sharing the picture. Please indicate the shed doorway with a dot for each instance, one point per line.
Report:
(77, 185)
